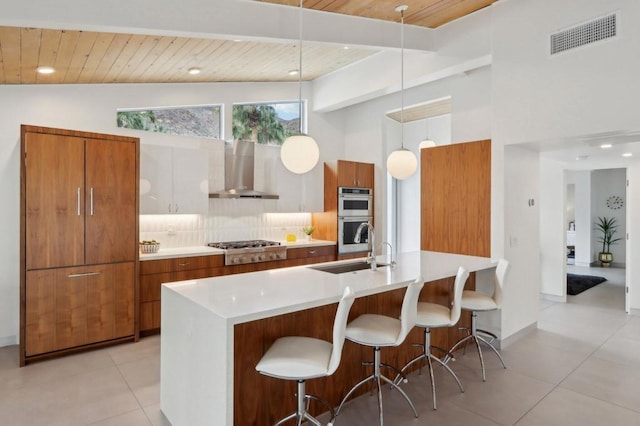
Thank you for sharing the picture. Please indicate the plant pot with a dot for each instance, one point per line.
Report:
(605, 259)
(308, 237)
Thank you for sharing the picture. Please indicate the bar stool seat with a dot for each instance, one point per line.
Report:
(302, 358)
(379, 331)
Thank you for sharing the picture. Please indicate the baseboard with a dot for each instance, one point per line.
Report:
(8, 341)
(503, 343)
(552, 297)
(634, 312)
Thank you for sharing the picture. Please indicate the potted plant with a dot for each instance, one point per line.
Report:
(308, 230)
(607, 226)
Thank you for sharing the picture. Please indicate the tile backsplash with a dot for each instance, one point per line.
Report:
(228, 220)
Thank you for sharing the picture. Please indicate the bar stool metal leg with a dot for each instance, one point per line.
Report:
(378, 378)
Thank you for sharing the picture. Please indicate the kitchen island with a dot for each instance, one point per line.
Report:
(214, 331)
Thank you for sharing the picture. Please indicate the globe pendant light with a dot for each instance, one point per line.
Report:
(402, 163)
(300, 153)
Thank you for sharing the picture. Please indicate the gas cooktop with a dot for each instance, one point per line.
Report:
(252, 251)
(226, 245)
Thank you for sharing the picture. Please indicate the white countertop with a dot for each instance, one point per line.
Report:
(170, 253)
(250, 296)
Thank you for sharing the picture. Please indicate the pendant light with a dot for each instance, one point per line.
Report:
(300, 153)
(402, 163)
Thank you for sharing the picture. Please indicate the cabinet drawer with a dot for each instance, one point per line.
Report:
(181, 264)
(150, 284)
(304, 252)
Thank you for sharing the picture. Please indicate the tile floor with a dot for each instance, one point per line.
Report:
(580, 367)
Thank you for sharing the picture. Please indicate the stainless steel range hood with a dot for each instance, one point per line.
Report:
(238, 173)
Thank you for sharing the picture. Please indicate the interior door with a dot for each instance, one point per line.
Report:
(110, 201)
(54, 170)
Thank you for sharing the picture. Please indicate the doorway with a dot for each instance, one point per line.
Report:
(590, 195)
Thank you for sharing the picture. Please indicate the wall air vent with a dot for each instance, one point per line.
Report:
(580, 35)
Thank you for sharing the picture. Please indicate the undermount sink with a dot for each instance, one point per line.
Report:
(346, 267)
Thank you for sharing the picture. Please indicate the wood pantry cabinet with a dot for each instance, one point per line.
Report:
(79, 248)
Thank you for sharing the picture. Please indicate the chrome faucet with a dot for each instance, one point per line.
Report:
(371, 257)
(393, 262)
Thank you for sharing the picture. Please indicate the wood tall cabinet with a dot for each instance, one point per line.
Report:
(79, 240)
(455, 186)
(340, 173)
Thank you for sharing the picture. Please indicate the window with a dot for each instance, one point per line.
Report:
(266, 123)
(203, 121)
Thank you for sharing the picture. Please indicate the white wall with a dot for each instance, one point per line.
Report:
(522, 227)
(552, 227)
(93, 108)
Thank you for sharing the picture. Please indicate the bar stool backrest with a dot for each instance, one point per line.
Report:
(458, 287)
(409, 311)
(339, 326)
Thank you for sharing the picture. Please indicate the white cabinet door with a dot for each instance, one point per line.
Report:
(173, 180)
(156, 179)
(299, 193)
(190, 181)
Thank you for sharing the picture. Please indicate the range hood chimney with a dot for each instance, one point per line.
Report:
(238, 173)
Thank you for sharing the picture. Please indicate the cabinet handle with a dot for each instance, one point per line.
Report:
(91, 202)
(177, 207)
(86, 274)
(78, 201)
(183, 264)
(311, 252)
(169, 207)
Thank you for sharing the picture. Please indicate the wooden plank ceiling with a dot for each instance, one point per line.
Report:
(100, 57)
(424, 13)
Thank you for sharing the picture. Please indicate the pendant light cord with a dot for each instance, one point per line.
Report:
(401, 78)
(300, 71)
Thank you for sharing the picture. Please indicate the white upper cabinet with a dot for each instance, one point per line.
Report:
(173, 180)
(299, 193)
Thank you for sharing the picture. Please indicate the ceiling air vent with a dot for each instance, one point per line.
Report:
(580, 35)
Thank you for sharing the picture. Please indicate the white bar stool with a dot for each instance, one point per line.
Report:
(432, 315)
(475, 301)
(302, 358)
(379, 331)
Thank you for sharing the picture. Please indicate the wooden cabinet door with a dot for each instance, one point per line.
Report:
(54, 195)
(110, 301)
(364, 175)
(68, 307)
(347, 171)
(110, 206)
(355, 174)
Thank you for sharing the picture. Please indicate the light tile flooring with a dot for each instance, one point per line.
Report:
(579, 368)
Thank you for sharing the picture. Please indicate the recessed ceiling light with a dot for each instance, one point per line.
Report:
(606, 146)
(293, 72)
(627, 154)
(346, 47)
(45, 70)
(194, 71)
(582, 157)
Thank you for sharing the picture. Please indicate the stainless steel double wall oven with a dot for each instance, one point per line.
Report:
(355, 206)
